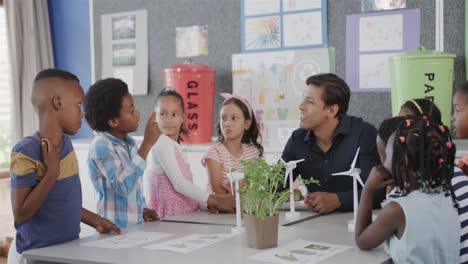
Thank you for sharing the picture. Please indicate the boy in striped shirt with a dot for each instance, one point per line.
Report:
(45, 184)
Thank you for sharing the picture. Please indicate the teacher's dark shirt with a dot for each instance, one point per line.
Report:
(351, 133)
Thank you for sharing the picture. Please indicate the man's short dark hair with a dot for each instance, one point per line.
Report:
(103, 101)
(56, 73)
(335, 91)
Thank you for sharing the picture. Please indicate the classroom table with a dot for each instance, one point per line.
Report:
(233, 250)
(337, 225)
(205, 217)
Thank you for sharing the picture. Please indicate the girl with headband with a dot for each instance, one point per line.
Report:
(420, 107)
(239, 139)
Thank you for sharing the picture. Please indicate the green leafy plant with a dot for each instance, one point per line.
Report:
(264, 190)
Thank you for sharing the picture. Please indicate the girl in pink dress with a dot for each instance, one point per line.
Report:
(168, 179)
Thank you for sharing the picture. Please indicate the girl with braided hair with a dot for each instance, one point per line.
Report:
(422, 225)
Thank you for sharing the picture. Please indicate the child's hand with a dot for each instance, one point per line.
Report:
(222, 203)
(152, 134)
(150, 215)
(226, 187)
(378, 178)
(105, 226)
(51, 155)
(463, 164)
(322, 202)
(152, 131)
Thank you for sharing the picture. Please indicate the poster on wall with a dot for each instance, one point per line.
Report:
(124, 38)
(191, 41)
(376, 5)
(269, 25)
(276, 81)
(371, 39)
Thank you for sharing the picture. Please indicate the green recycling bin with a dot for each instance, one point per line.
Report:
(423, 74)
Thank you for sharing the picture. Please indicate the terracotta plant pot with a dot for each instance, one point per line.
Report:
(261, 234)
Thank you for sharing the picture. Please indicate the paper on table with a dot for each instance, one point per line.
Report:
(300, 251)
(127, 240)
(189, 243)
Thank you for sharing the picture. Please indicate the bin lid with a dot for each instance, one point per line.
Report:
(422, 53)
(189, 67)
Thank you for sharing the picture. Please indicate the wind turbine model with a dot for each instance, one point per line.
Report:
(290, 166)
(236, 177)
(355, 173)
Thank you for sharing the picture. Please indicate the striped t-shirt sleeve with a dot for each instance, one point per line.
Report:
(213, 154)
(460, 188)
(251, 152)
(24, 164)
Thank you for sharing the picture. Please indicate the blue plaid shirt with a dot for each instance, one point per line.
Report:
(116, 172)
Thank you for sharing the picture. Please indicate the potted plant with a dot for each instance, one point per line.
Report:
(262, 195)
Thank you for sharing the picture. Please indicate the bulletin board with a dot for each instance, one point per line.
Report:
(371, 39)
(269, 25)
(275, 82)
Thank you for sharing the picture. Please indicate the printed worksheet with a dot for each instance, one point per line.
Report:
(300, 251)
(189, 243)
(127, 240)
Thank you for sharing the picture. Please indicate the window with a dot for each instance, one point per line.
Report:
(5, 97)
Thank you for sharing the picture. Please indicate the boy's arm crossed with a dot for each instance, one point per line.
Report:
(26, 201)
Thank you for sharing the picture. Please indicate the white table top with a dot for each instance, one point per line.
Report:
(233, 250)
(204, 217)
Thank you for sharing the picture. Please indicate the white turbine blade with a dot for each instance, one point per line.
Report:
(344, 173)
(358, 178)
(293, 162)
(284, 161)
(287, 174)
(230, 180)
(355, 158)
(290, 166)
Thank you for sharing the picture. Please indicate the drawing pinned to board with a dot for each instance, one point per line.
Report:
(283, 24)
(373, 70)
(302, 71)
(124, 41)
(371, 39)
(123, 27)
(297, 5)
(262, 32)
(258, 7)
(191, 41)
(124, 54)
(302, 29)
(375, 5)
(381, 33)
(277, 81)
